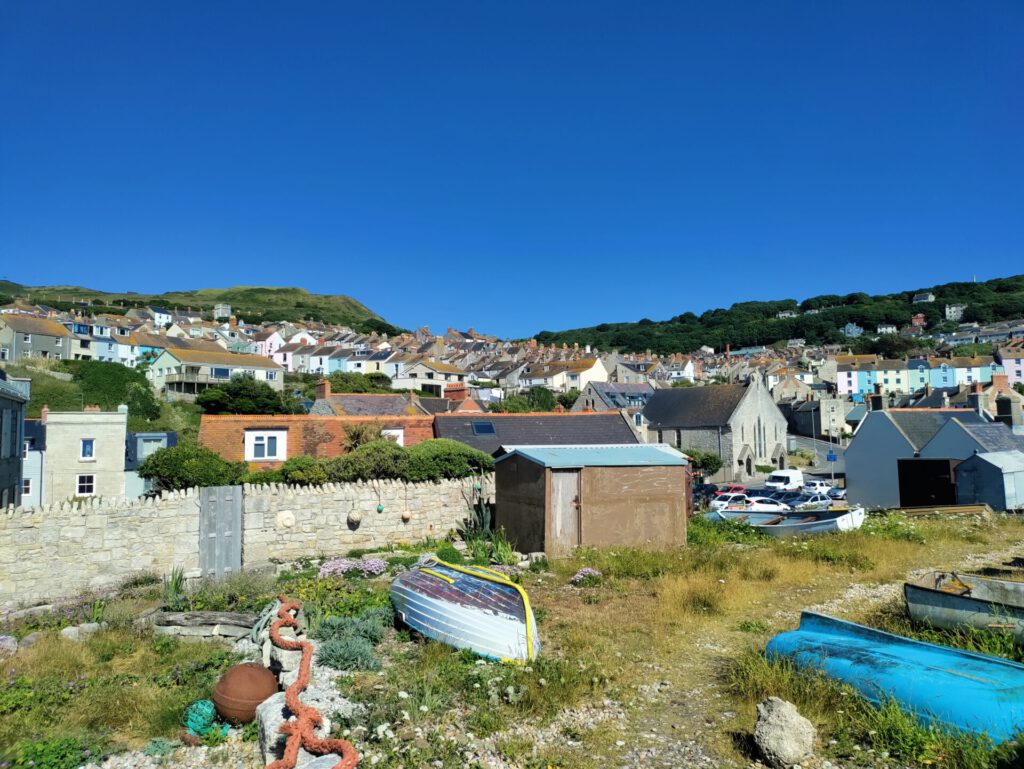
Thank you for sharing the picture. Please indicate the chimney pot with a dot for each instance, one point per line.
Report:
(44, 412)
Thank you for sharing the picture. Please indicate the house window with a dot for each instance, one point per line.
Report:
(24, 449)
(85, 485)
(88, 448)
(26, 486)
(271, 376)
(266, 445)
(149, 445)
(483, 428)
(57, 342)
(221, 373)
(638, 420)
(26, 338)
(3, 353)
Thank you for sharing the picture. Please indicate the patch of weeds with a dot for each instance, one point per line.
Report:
(539, 565)
(829, 550)
(587, 577)
(251, 731)
(759, 572)
(592, 599)
(55, 753)
(141, 579)
(165, 645)
(702, 532)
(894, 526)
(703, 599)
(540, 614)
(503, 552)
(332, 628)
(753, 626)
(338, 597)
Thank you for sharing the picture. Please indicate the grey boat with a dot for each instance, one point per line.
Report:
(950, 600)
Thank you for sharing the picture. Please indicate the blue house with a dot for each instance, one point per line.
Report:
(138, 446)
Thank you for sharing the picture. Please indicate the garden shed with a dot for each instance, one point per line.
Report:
(995, 478)
(556, 498)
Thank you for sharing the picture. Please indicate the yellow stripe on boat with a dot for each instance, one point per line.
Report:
(437, 574)
(496, 576)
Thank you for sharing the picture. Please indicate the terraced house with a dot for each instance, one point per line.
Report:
(25, 336)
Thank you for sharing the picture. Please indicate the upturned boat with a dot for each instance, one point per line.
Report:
(950, 599)
(468, 607)
(939, 685)
(795, 524)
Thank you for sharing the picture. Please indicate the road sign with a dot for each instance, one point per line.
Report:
(830, 457)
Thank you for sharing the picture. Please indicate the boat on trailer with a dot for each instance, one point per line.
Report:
(950, 599)
(939, 685)
(795, 524)
(468, 607)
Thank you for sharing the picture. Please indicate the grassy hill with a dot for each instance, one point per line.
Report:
(250, 303)
(818, 319)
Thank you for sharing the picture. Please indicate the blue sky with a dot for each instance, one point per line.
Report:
(512, 166)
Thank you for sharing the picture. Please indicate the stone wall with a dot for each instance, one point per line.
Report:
(57, 551)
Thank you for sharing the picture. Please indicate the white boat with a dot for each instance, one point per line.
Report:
(468, 607)
(797, 524)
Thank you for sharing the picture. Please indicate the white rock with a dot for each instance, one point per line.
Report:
(782, 735)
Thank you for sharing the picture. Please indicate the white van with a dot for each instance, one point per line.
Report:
(785, 480)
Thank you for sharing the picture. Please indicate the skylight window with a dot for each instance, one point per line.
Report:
(483, 428)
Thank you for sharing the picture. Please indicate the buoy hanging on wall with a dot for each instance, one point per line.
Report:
(406, 516)
(380, 508)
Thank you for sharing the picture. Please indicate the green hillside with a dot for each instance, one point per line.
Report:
(755, 323)
(250, 303)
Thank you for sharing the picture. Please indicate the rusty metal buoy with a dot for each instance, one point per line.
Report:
(241, 689)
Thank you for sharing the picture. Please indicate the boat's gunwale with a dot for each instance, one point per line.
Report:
(912, 584)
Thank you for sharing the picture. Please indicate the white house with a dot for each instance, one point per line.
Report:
(188, 372)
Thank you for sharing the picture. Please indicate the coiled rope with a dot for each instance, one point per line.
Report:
(300, 732)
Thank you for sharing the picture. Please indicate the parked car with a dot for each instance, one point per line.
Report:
(812, 503)
(731, 488)
(786, 497)
(722, 501)
(817, 487)
(767, 505)
(786, 480)
(837, 493)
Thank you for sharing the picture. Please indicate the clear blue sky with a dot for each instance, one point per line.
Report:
(512, 166)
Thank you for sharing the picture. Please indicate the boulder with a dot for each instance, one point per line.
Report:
(31, 639)
(783, 736)
(247, 649)
(8, 645)
(70, 633)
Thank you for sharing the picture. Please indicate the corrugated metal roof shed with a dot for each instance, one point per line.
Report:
(638, 455)
(1007, 461)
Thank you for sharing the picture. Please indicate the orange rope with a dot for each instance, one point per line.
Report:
(300, 732)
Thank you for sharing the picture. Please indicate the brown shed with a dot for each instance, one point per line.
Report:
(555, 498)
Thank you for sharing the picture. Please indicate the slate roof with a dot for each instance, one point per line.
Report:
(616, 395)
(920, 425)
(688, 407)
(994, 436)
(1007, 461)
(370, 405)
(540, 429)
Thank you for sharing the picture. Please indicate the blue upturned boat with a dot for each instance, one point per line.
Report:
(468, 607)
(938, 684)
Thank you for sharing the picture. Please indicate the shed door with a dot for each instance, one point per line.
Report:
(565, 509)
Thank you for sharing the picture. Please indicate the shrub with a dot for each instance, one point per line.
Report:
(765, 468)
(444, 458)
(341, 627)
(263, 477)
(350, 653)
(183, 466)
(377, 459)
(245, 395)
(304, 471)
(57, 753)
(447, 552)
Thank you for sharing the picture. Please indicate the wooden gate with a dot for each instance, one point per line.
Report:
(220, 531)
(565, 509)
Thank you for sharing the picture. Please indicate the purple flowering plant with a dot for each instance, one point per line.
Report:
(586, 577)
(353, 567)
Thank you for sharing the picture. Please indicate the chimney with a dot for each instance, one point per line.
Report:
(945, 399)
(323, 389)
(1000, 383)
(92, 408)
(878, 389)
(1008, 412)
(976, 387)
(456, 392)
(44, 412)
(878, 402)
(927, 390)
(976, 399)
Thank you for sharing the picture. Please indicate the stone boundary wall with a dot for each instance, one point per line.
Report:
(60, 550)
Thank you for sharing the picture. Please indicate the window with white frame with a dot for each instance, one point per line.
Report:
(26, 487)
(266, 445)
(26, 338)
(85, 485)
(88, 448)
(271, 376)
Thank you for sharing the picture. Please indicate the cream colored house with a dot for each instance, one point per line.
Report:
(186, 372)
(84, 454)
(563, 376)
